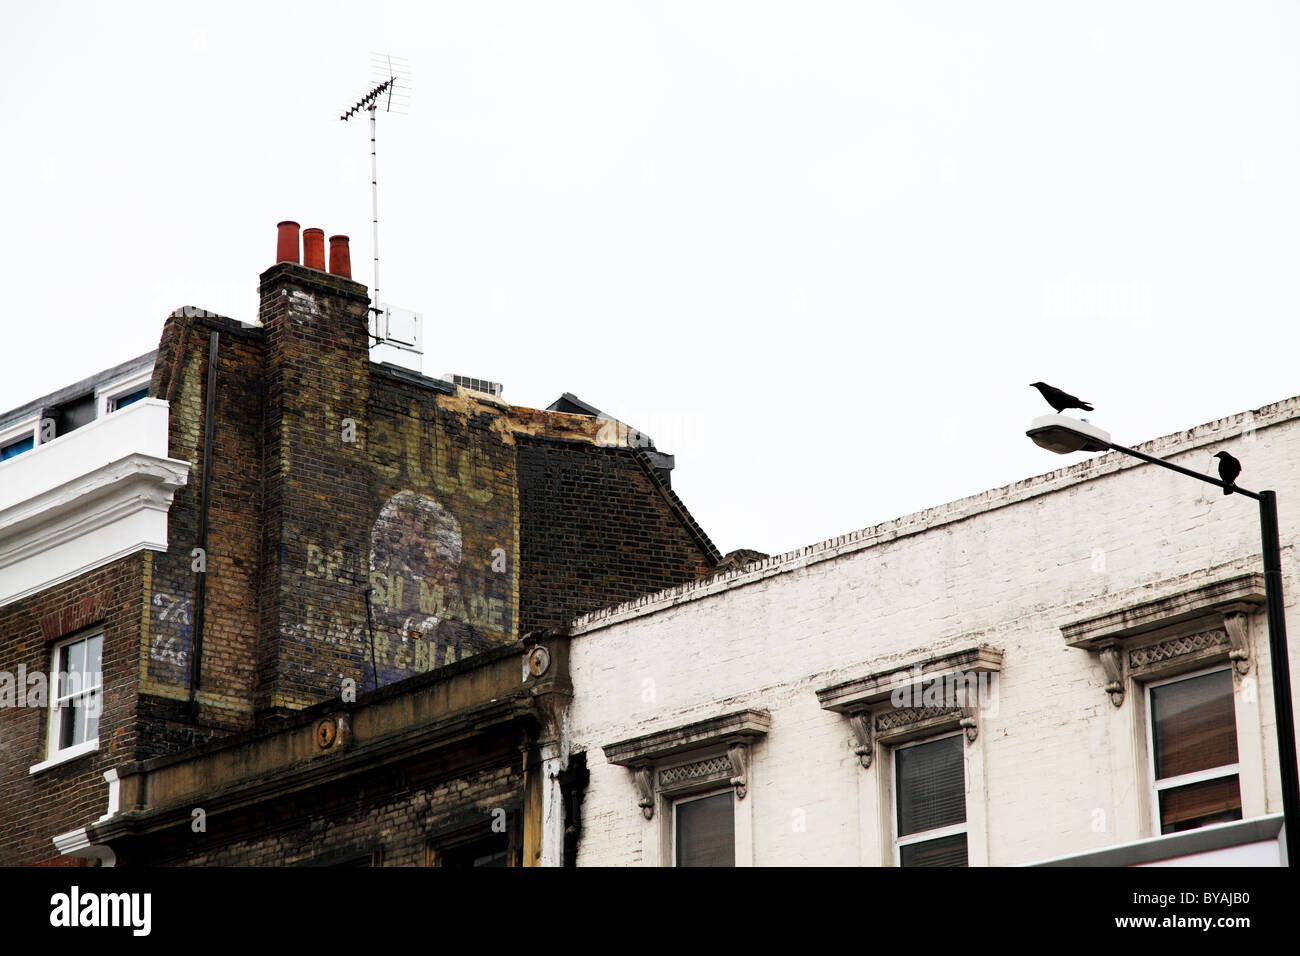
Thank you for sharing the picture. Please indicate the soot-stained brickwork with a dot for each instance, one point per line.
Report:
(442, 545)
(391, 817)
(233, 549)
(316, 483)
(599, 527)
(359, 526)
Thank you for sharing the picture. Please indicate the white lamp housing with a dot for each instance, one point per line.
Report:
(1063, 434)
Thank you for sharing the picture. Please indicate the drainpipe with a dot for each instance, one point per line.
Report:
(201, 538)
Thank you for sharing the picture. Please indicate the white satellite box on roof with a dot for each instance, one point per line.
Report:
(397, 337)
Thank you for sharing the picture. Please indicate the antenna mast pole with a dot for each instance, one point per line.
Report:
(370, 102)
(374, 202)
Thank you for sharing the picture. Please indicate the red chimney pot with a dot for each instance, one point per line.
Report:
(340, 261)
(313, 249)
(286, 245)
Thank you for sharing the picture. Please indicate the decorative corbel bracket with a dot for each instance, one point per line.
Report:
(896, 704)
(643, 779)
(645, 757)
(1164, 636)
(860, 724)
(1237, 625)
(738, 754)
(970, 723)
(1112, 662)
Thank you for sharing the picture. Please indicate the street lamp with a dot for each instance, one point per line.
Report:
(1063, 435)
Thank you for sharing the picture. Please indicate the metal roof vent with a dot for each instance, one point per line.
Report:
(477, 384)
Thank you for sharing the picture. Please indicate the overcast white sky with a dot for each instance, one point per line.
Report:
(816, 250)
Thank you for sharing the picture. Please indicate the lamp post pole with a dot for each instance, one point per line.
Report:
(1275, 608)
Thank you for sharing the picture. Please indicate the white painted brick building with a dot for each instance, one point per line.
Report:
(1107, 553)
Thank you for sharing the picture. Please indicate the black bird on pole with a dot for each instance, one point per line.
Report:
(1058, 399)
(1229, 469)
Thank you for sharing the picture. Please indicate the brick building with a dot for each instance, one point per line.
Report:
(1072, 669)
(308, 601)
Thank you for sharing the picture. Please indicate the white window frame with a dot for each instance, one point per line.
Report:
(108, 393)
(1214, 773)
(54, 753)
(689, 798)
(20, 430)
(924, 836)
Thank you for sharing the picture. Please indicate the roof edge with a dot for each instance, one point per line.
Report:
(984, 502)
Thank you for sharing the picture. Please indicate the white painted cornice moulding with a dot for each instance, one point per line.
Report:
(894, 705)
(741, 726)
(1172, 634)
(876, 688)
(734, 731)
(86, 499)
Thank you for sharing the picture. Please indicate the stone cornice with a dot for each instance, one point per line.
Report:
(1242, 593)
(97, 517)
(462, 706)
(87, 502)
(876, 688)
(742, 726)
(341, 760)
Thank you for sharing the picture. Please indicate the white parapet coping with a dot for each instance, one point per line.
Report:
(86, 498)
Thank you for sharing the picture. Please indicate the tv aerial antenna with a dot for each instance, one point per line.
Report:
(390, 92)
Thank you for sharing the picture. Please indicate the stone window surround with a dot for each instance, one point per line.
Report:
(867, 703)
(706, 756)
(1168, 636)
(1184, 633)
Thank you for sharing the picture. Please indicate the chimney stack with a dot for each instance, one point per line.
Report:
(286, 246)
(313, 249)
(340, 262)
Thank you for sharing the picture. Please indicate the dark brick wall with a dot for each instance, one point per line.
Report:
(36, 807)
(598, 527)
(469, 531)
(233, 553)
(316, 484)
(442, 553)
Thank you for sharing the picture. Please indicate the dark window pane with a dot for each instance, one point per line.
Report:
(487, 852)
(17, 448)
(94, 660)
(1200, 804)
(1193, 725)
(706, 831)
(73, 414)
(130, 398)
(945, 851)
(931, 785)
(71, 718)
(91, 705)
(65, 666)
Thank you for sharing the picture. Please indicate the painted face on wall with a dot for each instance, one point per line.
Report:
(415, 559)
(416, 536)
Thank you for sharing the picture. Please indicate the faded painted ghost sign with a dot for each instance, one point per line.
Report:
(430, 609)
(169, 646)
